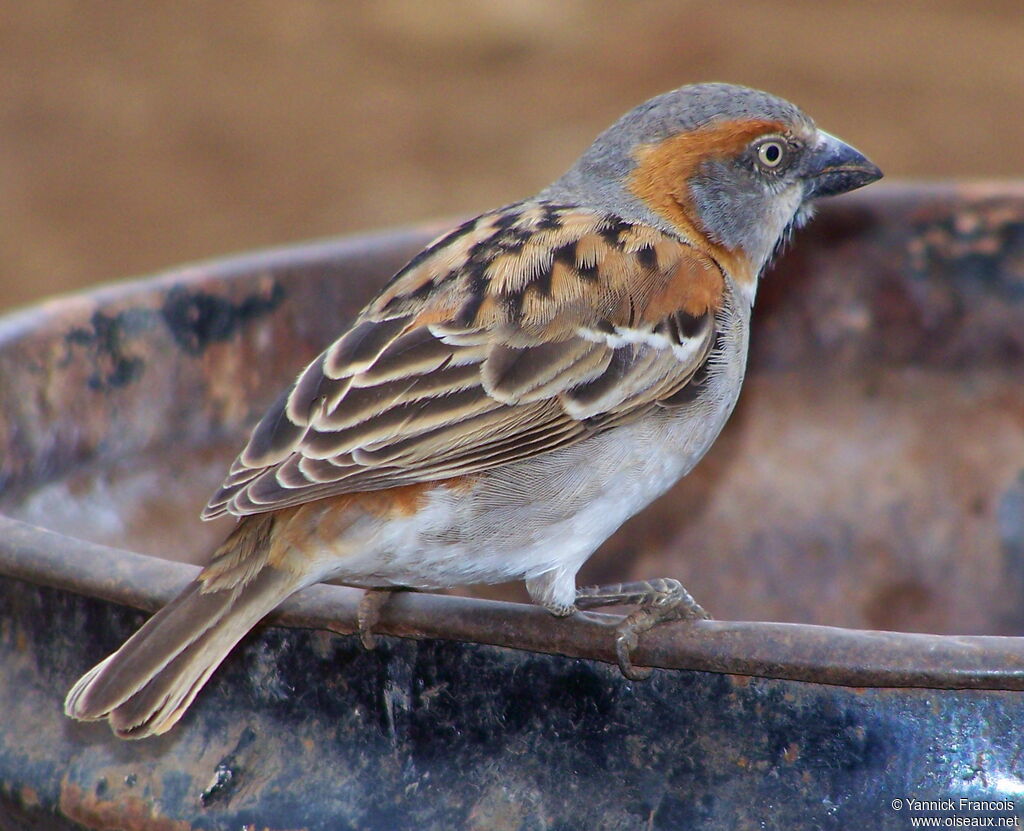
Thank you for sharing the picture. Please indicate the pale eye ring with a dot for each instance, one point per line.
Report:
(771, 153)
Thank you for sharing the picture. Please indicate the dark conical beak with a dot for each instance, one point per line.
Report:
(834, 167)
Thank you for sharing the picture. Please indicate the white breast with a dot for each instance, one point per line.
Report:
(552, 511)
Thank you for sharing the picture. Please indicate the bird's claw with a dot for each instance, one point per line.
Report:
(626, 640)
(368, 614)
(660, 601)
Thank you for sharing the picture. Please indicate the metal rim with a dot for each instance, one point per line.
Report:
(791, 651)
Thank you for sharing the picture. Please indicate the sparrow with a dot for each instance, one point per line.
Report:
(524, 385)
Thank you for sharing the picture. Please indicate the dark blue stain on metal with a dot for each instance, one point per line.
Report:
(198, 318)
(107, 339)
(229, 772)
(1010, 523)
(175, 786)
(980, 247)
(1010, 516)
(435, 734)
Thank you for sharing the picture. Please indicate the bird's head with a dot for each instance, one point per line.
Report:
(729, 168)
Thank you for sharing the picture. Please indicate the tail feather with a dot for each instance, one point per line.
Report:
(146, 686)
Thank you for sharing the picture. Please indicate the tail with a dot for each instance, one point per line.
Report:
(149, 683)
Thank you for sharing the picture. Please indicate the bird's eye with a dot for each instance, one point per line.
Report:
(771, 153)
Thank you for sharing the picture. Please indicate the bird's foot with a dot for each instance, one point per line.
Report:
(659, 601)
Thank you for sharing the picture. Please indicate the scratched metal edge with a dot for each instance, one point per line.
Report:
(786, 651)
(19, 320)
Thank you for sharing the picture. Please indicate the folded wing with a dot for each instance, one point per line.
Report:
(520, 332)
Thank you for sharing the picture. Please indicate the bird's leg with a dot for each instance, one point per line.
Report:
(658, 601)
(555, 590)
(368, 613)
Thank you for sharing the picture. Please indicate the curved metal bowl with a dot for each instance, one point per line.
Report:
(872, 478)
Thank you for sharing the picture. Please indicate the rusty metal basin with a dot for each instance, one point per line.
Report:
(869, 487)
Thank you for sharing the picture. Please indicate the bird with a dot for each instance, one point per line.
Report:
(526, 383)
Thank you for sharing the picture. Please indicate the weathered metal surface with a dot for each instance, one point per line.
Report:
(873, 477)
(308, 730)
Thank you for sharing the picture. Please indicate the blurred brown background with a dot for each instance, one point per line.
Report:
(137, 136)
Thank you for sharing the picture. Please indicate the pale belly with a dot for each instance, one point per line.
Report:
(547, 513)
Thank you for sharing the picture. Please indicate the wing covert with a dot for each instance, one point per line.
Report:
(520, 332)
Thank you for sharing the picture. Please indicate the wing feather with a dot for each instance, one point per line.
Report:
(522, 331)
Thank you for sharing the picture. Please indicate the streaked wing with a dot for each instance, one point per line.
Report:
(521, 331)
